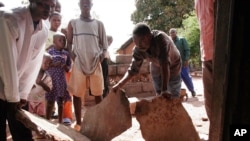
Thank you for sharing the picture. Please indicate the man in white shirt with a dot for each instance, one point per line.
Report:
(23, 36)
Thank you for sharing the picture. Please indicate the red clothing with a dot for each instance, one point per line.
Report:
(205, 14)
(67, 110)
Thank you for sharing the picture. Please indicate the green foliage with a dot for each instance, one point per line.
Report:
(191, 32)
(165, 14)
(162, 14)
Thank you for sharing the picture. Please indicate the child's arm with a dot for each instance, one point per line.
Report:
(53, 63)
(60, 65)
(40, 82)
(67, 66)
(45, 87)
(56, 64)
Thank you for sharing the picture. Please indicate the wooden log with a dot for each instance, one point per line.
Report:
(48, 130)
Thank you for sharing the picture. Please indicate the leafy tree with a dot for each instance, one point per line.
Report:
(162, 14)
(165, 14)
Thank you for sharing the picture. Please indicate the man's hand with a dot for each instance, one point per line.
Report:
(102, 56)
(72, 55)
(14, 107)
(122, 82)
(21, 104)
(166, 94)
(116, 87)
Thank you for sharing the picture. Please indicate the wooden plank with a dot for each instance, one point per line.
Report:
(48, 130)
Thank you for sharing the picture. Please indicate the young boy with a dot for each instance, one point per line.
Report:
(88, 35)
(43, 84)
(61, 63)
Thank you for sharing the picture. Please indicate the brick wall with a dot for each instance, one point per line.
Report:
(140, 86)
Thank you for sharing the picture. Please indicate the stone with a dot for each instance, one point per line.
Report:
(107, 119)
(164, 119)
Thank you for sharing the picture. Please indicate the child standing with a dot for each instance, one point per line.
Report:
(55, 20)
(54, 24)
(43, 84)
(61, 63)
(89, 38)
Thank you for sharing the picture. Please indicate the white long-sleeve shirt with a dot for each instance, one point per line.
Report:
(21, 52)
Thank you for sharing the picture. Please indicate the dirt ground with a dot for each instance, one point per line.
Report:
(194, 107)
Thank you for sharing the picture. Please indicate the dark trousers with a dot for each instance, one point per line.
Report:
(18, 131)
(105, 72)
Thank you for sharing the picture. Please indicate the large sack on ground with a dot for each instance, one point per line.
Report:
(164, 119)
(107, 119)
